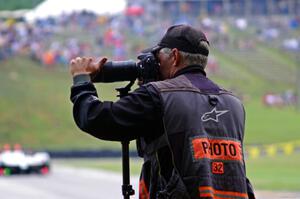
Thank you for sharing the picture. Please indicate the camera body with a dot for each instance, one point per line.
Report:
(146, 70)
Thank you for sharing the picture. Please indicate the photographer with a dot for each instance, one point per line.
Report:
(189, 130)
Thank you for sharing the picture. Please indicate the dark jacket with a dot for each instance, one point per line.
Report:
(204, 132)
(143, 114)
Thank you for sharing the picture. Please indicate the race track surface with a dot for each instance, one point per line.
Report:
(64, 183)
(71, 183)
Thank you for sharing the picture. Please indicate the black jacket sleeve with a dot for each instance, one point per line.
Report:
(133, 116)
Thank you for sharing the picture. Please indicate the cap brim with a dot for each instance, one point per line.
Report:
(152, 49)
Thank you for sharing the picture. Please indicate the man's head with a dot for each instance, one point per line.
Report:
(182, 45)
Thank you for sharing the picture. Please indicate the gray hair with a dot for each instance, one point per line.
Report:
(191, 58)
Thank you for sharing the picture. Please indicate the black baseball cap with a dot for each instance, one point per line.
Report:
(183, 37)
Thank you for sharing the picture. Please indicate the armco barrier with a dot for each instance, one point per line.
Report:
(251, 151)
(88, 153)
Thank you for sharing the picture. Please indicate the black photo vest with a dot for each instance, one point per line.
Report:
(204, 132)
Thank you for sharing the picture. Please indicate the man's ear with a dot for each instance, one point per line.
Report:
(176, 56)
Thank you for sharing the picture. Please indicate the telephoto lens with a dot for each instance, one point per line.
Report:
(117, 71)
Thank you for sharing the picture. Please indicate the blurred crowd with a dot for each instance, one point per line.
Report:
(287, 98)
(44, 40)
(282, 32)
(55, 40)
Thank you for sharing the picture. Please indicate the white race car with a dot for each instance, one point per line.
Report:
(20, 162)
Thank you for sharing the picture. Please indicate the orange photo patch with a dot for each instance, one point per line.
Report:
(217, 149)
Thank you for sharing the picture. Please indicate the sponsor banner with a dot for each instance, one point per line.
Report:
(272, 150)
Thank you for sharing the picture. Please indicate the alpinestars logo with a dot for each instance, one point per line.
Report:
(213, 115)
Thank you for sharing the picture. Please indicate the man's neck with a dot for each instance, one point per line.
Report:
(190, 69)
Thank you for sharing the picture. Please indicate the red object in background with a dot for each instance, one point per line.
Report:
(17, 147)
(45, 170)
(6, 147)
(134, 10)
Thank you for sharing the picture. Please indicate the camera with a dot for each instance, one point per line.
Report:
(146, 70)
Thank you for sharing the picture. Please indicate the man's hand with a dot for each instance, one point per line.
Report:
(84, 65)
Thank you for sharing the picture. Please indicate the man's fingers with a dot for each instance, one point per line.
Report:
(72, 62)
(91, 67)
(78, 60)
(84, 61)
(89, 61)
(86, 65)
(102, 62)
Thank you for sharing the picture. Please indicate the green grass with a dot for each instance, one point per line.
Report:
(35, 109)
(275, 173)
(265, 125)
(36, 112)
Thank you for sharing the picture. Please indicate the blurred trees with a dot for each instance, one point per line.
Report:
(18, 4)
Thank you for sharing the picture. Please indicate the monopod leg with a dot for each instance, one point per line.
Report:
(127, 190)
